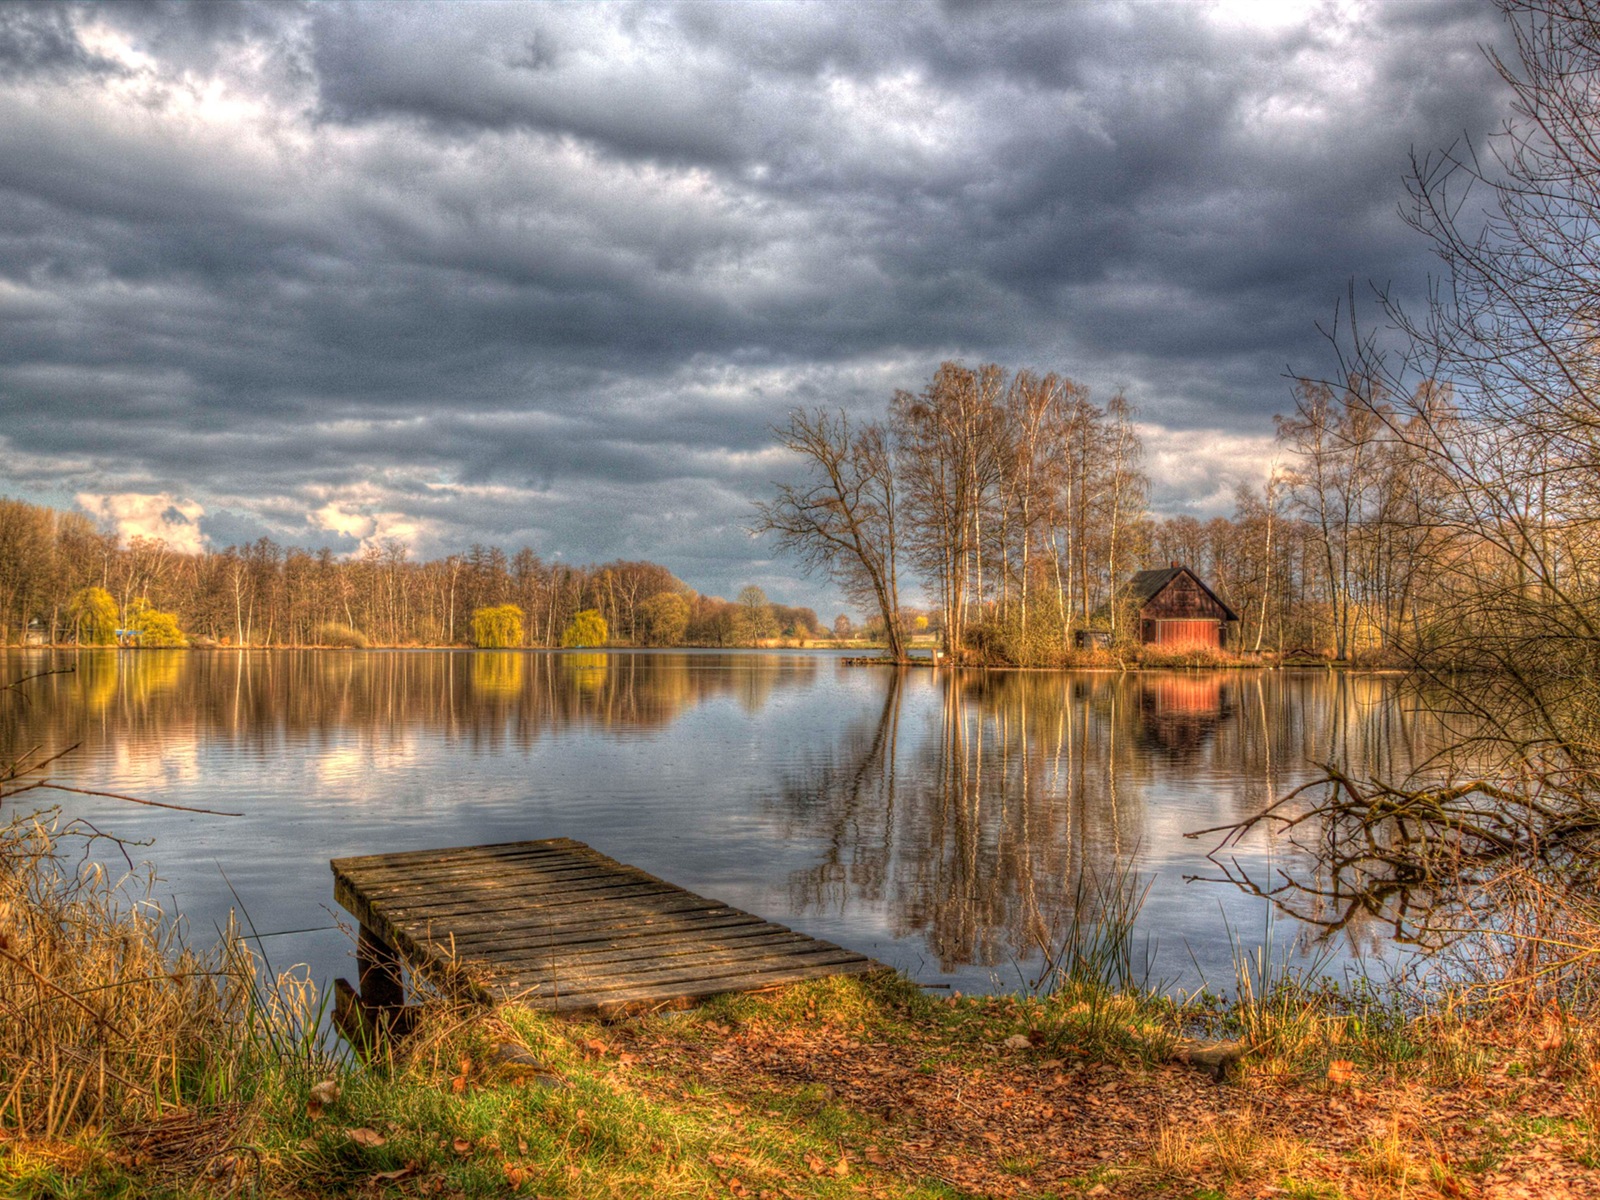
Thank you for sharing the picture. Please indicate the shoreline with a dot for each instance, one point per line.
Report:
(855, 660)
(838, 1087)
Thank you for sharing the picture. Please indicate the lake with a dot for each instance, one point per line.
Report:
(936, 821)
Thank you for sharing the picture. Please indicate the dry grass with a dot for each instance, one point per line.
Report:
(339, 637)
(1228, 1149)
(108, 1016)
(1151, 657)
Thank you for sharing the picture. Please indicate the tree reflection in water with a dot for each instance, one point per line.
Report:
(974, 827)
(929, 816)
(266, 699)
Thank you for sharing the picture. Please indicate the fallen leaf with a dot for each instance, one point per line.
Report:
(370, 1138)
(458, 1084)
(321, 1096)
(1342, 1070)
(461, 1146)
(1018, 1041)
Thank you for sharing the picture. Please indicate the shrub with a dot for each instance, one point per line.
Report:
(1001, 642)
(588, 628)
(499, 627)
(339, 637)
(155, 628)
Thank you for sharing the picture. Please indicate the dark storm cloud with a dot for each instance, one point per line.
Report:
(507, 271)
(35, 40)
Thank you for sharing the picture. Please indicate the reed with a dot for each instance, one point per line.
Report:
(1095, 943)
(1096, 974)
(109, 1016)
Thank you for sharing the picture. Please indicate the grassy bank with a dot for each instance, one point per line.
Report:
(132, 1066)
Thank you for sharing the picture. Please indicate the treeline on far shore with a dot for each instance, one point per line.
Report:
(62, 580)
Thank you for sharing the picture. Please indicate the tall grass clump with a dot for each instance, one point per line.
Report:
(1094, 945)
(1184, 656)
(1100, 999)
(1277, 1015)
(107, 1016)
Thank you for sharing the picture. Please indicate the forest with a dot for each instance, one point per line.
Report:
(1016, 504)
(55, 566)
(1019, 507)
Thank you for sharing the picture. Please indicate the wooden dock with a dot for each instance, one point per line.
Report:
(556, 925)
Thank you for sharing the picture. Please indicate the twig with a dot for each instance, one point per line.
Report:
(61, 787)
(56, 987)
(15, 686)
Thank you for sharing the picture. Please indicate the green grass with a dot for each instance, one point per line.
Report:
(438, 1115)
(436, 1118)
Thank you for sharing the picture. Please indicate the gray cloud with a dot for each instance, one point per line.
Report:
(501, 271)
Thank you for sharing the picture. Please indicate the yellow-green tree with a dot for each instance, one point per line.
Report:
(94, 616)
(663, 619)
(588, 628)
(154, 627)
(754, 620)
(497, 627)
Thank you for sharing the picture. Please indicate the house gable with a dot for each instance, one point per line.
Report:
(1176, 609)
(1176, 593)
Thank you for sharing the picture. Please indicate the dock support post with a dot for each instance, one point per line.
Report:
(379, 973)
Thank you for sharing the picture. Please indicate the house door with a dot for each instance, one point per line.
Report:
(1188, 633)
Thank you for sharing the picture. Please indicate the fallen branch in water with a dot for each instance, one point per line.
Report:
(61, 787)
(1424, 830)
(1502, 873)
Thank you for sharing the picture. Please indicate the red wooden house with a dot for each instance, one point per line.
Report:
(1177, 609)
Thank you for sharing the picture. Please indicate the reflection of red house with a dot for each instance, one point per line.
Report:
(1176, 609)
(1185, 697)
(1179, 713)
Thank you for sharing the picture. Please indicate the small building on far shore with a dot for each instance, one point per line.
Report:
(1177, 610)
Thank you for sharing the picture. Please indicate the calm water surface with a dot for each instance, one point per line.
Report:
(936, 822)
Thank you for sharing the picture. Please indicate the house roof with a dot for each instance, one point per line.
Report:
(1147, 585)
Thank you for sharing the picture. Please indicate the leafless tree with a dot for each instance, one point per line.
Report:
(842, 520)
(1496, 404)
(950, 440)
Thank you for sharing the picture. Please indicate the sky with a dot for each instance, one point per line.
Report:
(547, 275)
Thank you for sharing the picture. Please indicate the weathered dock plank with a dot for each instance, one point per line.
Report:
(557, 925)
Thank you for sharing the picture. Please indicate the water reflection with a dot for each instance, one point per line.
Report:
(975, 831)
(1178, 715)
(264, 698)
(498, 674)
(942, 822)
